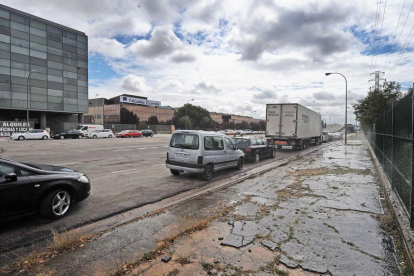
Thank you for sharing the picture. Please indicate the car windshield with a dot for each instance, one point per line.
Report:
(184, 141)
(241, 143)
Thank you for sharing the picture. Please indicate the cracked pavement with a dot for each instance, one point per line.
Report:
(318, 215)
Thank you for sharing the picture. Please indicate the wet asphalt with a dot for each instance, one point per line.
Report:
(319, 214)
(124, 173)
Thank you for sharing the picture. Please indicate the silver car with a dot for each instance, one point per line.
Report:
(202, 152)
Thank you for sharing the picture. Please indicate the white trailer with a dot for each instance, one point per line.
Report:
(293, 126)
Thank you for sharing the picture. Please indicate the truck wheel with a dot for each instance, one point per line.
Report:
(175, 172)
(256, 157)
(208, 173)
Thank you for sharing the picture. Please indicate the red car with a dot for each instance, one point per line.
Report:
(129, 134)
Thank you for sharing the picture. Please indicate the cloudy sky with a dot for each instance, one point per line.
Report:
(237, 55)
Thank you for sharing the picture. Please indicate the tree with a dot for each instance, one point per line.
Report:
(373, 106)
(243, 125)
(153, 120)
(185, 123)
(262, 125)
(254, 126)
(199, 117)
(128, 117)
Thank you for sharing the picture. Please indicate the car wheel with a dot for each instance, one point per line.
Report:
(256, 157)
(56, 204)
(240, 163)
(80, 137)
(208, 173)
(44, 137)
(152, 135)
(21, 138)
(175, 172)
(110, 136)
(62, 137)
(273, 155)
(127, 136)
(94, 137)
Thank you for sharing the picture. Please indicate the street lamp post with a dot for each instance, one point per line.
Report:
(346, 102)
(107, 119)
(96, 105)
(186, 113)
(28, 87)
(251, 113)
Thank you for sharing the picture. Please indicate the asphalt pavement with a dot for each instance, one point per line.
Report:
(124, 174)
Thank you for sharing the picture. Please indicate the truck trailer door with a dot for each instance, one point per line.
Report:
(288, 120)
(273, 120)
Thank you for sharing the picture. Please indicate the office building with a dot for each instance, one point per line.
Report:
(58, 55)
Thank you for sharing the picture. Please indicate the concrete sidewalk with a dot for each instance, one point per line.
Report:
(319, 215)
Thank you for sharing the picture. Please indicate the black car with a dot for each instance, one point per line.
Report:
(147, 133)
(30, 188)
(255, 148)
(74, 134)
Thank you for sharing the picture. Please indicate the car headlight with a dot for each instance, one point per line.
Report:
(83, 179)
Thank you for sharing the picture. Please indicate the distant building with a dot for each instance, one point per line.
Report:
(58, 89)
(228, 118)
(108, 111)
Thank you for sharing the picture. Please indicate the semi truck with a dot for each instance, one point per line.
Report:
(293, 126)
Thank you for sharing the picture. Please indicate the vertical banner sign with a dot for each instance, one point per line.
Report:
(7, 129)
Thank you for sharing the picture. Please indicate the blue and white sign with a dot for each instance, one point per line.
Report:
(131, 100)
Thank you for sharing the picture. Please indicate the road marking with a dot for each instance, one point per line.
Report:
(125, 171)
(141, 148)
(158, 165)
(153, 147)
(122, 150)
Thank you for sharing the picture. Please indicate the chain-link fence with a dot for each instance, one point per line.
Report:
(391, 138)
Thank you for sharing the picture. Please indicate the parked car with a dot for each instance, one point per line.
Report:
(74, 134)
(147, 133)
(30, 188)
(103, 133)
(331, 137)
(129, 134)
(255, 148)
(338, 136)
(39, 134)
(202, 152)
(88, 129)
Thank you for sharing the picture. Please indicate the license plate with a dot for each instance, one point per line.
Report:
(286, 147)
(182, 155)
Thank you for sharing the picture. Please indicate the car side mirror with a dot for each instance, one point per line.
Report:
(236, 147)
(11, 177)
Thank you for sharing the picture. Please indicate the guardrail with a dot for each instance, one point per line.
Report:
(391, 138)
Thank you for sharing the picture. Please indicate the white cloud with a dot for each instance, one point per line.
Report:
(108, 47)
(163, 42)
(234, 55)
(135, 83)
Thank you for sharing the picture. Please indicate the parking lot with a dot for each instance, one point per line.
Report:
(124, 174)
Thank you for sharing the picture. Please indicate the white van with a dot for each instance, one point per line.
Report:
(87, 129)
(202, 152)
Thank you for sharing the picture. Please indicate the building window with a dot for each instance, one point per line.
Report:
(98, 116)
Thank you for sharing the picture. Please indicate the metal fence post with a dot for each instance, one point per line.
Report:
(412, 161)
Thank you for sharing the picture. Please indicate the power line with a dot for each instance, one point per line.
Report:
(376, 52)
(393, 36)
(375, 31)
(401, 32)
(407, 42)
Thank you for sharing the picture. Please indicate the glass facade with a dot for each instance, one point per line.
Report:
(59, 57)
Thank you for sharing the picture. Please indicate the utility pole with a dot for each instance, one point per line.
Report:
(377, 78)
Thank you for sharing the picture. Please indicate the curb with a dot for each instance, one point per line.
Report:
(396, 210)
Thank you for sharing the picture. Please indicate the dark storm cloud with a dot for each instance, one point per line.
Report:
(314, 29)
